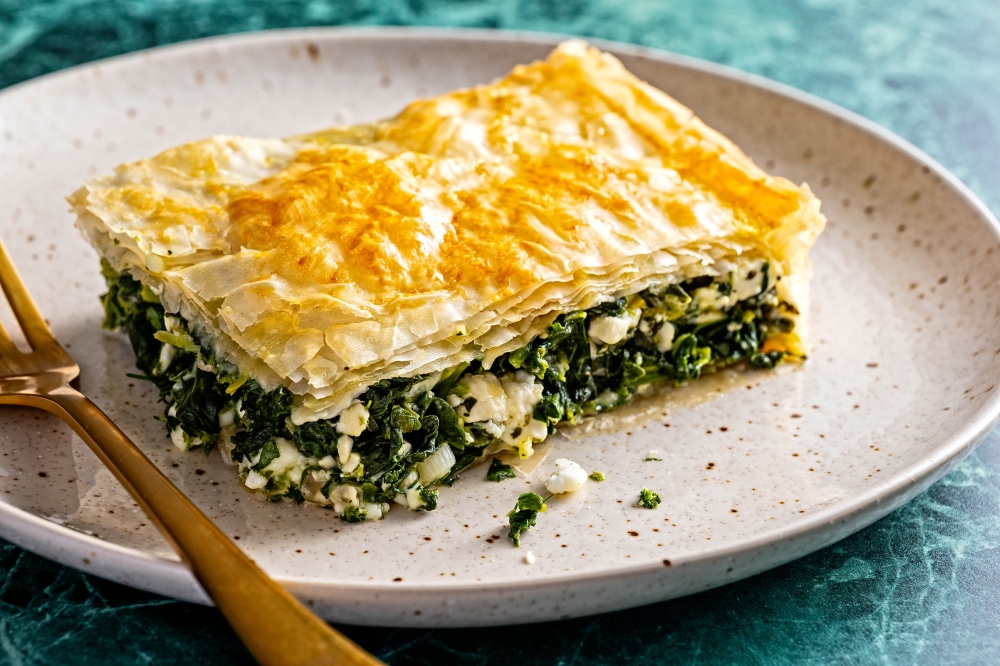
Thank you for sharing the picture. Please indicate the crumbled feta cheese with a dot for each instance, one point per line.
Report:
(710, 298)
(521, 429)
(351, 464)
(503, 407)
(568, 477)
(529, 558)
(327, 462)
(492, 429)
(374, 510)
(353, 420)
(413, 499)
(664, 337)
(490, 399)
(255, 481)
(747, 282)
(174, 325)
(177, 437)
(182, 440)
(344, 496)
(167, 353)
(227, 418)
(289, 461)
(344, 447)
(612, 330)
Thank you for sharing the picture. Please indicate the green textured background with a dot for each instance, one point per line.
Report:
(920, 586)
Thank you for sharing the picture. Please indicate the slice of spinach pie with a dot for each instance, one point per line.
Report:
(355, 316)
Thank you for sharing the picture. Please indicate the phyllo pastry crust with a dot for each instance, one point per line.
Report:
(448, 249)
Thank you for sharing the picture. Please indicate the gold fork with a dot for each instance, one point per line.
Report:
(277, 629)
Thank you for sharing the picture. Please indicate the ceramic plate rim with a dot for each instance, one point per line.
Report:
(52, 539)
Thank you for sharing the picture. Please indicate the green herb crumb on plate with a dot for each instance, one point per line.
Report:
(524, 514)
(648, 499)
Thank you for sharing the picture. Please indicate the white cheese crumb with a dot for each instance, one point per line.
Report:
(413, 500)
(612, 330)
(653, 455)
(327, 462)
(227, 418)
(491, 401)
(503, 407)
(344, 496)
(344, 447)
(182, 441)
(747, 282)
(353, 420)
(255, 481)
(177, 437)
(289, 461)
(568, 477)
(664, 337)
(375, 511)
(167, 353)
(529, 558)
(353, 460)
(521, 429)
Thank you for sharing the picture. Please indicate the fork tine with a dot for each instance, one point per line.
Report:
(8, 354)
(34, 327)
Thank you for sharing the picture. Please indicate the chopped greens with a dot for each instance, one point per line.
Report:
(596, 476)
(413, 438)
(353, 514)
(648, 498)
(499, 471)
(522, 517)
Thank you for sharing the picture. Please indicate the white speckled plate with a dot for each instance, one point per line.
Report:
(900, 386)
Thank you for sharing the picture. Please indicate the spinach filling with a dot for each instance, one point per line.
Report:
(415, 437)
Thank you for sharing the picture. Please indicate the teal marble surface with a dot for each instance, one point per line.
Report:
(921, 586)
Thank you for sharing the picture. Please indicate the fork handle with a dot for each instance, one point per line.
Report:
(277, 629)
